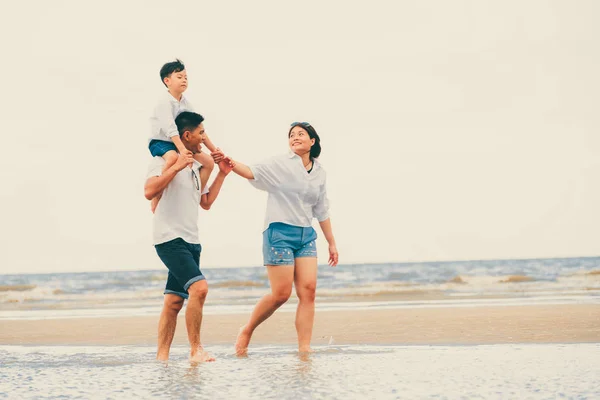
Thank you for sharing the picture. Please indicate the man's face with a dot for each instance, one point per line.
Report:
(177, 81)
(195, 138)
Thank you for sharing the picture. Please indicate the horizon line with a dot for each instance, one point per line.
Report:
(320, 265)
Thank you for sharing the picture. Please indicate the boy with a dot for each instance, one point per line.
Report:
(164, 139)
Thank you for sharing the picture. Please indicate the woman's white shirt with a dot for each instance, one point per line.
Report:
(295, 195)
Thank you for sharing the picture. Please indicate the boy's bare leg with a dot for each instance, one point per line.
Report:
(170, 158)
(208, 165)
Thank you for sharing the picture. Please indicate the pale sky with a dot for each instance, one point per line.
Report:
(451, 130)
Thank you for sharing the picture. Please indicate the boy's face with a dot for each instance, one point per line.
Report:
(177, 81)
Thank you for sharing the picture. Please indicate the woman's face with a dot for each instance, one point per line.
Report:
(299, 140)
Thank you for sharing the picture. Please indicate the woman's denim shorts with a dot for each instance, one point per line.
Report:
(282, 243)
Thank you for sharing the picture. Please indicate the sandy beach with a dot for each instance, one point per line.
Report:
(458, 325)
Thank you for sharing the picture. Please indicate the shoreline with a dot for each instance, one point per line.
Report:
(568, 323)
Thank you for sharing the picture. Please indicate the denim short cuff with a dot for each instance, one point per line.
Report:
(193, 280)
(182, 295)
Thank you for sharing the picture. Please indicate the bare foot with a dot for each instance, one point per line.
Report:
(305, 349)
(201, 356)
(241, 344)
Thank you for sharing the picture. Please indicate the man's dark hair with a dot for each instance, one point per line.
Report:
(169, 68)
(188, 121)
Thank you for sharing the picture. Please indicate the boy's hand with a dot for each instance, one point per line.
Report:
(218, 155)
(183, 161)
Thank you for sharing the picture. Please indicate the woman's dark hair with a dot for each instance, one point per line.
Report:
(169, 68)
(315, 150)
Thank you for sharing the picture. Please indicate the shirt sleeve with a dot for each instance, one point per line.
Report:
(321, 209)
(266, 176)
(206, 189)
(165, 120)
(155, 167)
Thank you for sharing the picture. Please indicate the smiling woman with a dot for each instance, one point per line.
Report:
(296, 183)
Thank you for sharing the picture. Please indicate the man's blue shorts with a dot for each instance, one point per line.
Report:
(282, 243)
(160, 147)
(183, 261)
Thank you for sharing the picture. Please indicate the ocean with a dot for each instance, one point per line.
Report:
(333, 371)
(278, 372)
(364, 286)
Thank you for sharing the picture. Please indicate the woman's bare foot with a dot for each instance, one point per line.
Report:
(200, 356)
(241, 344)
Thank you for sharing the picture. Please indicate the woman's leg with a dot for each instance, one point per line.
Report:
(305, 281)
(280, 279)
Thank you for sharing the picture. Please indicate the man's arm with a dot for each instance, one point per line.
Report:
(156, 184)
(206, 201)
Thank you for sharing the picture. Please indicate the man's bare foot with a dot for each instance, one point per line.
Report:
(163, 358)
(200, 356)
(241, 344)
(305, 349)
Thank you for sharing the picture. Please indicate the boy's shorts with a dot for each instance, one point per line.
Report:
(282, 243)
(160, 147)
(183, 261)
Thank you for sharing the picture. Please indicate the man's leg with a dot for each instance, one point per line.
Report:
(166, 325)
(193, 320)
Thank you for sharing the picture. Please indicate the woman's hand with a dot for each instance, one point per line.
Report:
(333, 255)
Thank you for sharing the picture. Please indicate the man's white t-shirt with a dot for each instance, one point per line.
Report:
(176, 215)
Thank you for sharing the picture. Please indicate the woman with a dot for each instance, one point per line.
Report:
(297, 193)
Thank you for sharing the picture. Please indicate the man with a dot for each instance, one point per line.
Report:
(175, 234)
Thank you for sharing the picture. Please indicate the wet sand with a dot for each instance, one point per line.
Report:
(474, 325)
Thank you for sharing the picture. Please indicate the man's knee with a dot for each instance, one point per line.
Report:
(198, 290)
(173, 303)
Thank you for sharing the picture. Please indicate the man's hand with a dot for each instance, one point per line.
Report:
(184, 160)
(218, 155)
(183, 150)
(226, 165)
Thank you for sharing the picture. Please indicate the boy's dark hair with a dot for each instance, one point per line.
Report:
(169, 68)
(315, 150)
(188, 121)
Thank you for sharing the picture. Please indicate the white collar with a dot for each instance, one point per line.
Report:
(315, 161)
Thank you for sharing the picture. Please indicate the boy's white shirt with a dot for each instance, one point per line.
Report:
(162, 121)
